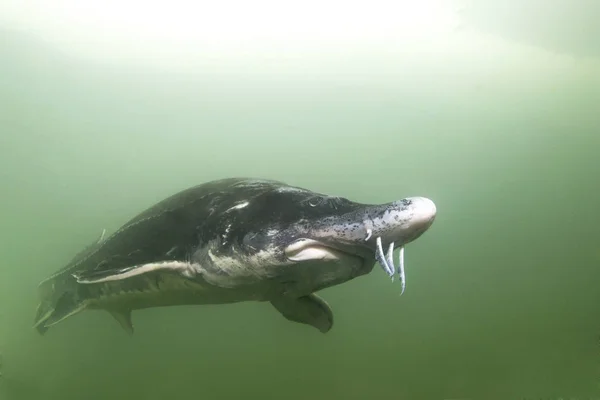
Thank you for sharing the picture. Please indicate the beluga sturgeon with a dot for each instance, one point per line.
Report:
(235, 240)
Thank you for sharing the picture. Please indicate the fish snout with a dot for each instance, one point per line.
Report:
(424, 212)
(402, 222)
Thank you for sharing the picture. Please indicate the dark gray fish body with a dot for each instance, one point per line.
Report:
(234, 240)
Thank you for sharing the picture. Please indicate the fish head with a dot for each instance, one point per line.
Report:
(288, 226)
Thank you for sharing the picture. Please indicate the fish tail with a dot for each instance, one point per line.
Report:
(59, 298)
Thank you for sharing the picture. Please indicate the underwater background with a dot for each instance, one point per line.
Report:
(493, 112)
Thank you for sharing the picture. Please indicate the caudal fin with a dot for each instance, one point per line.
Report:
(60, 295)
(59, 299)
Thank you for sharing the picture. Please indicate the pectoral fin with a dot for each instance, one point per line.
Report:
(311, 310)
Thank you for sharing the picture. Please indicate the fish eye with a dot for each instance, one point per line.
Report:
(330, 201)
(315, 201)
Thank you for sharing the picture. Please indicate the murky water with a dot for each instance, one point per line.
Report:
(502, 294)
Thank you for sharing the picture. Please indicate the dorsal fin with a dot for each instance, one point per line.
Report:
(86, 251)
(46, 287)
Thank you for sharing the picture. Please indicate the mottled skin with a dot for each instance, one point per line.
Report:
(228, 241)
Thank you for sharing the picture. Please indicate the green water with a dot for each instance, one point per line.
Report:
(502, 293)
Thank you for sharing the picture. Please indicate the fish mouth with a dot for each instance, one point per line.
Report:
(310, 249)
